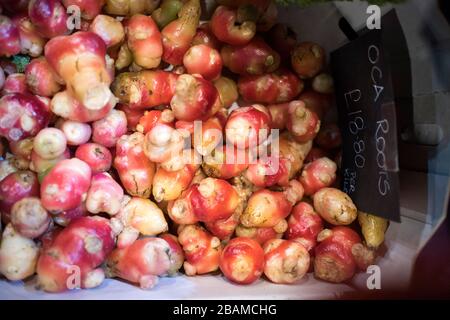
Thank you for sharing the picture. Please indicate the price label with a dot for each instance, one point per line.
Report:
(367, 118)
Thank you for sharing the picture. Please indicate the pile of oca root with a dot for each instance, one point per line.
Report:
(133, 147)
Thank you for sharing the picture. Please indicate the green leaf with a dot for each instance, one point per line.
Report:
(21, 62)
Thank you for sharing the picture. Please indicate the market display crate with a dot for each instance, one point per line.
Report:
(401, 173)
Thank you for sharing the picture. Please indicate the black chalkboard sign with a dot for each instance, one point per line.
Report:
(367, 115)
